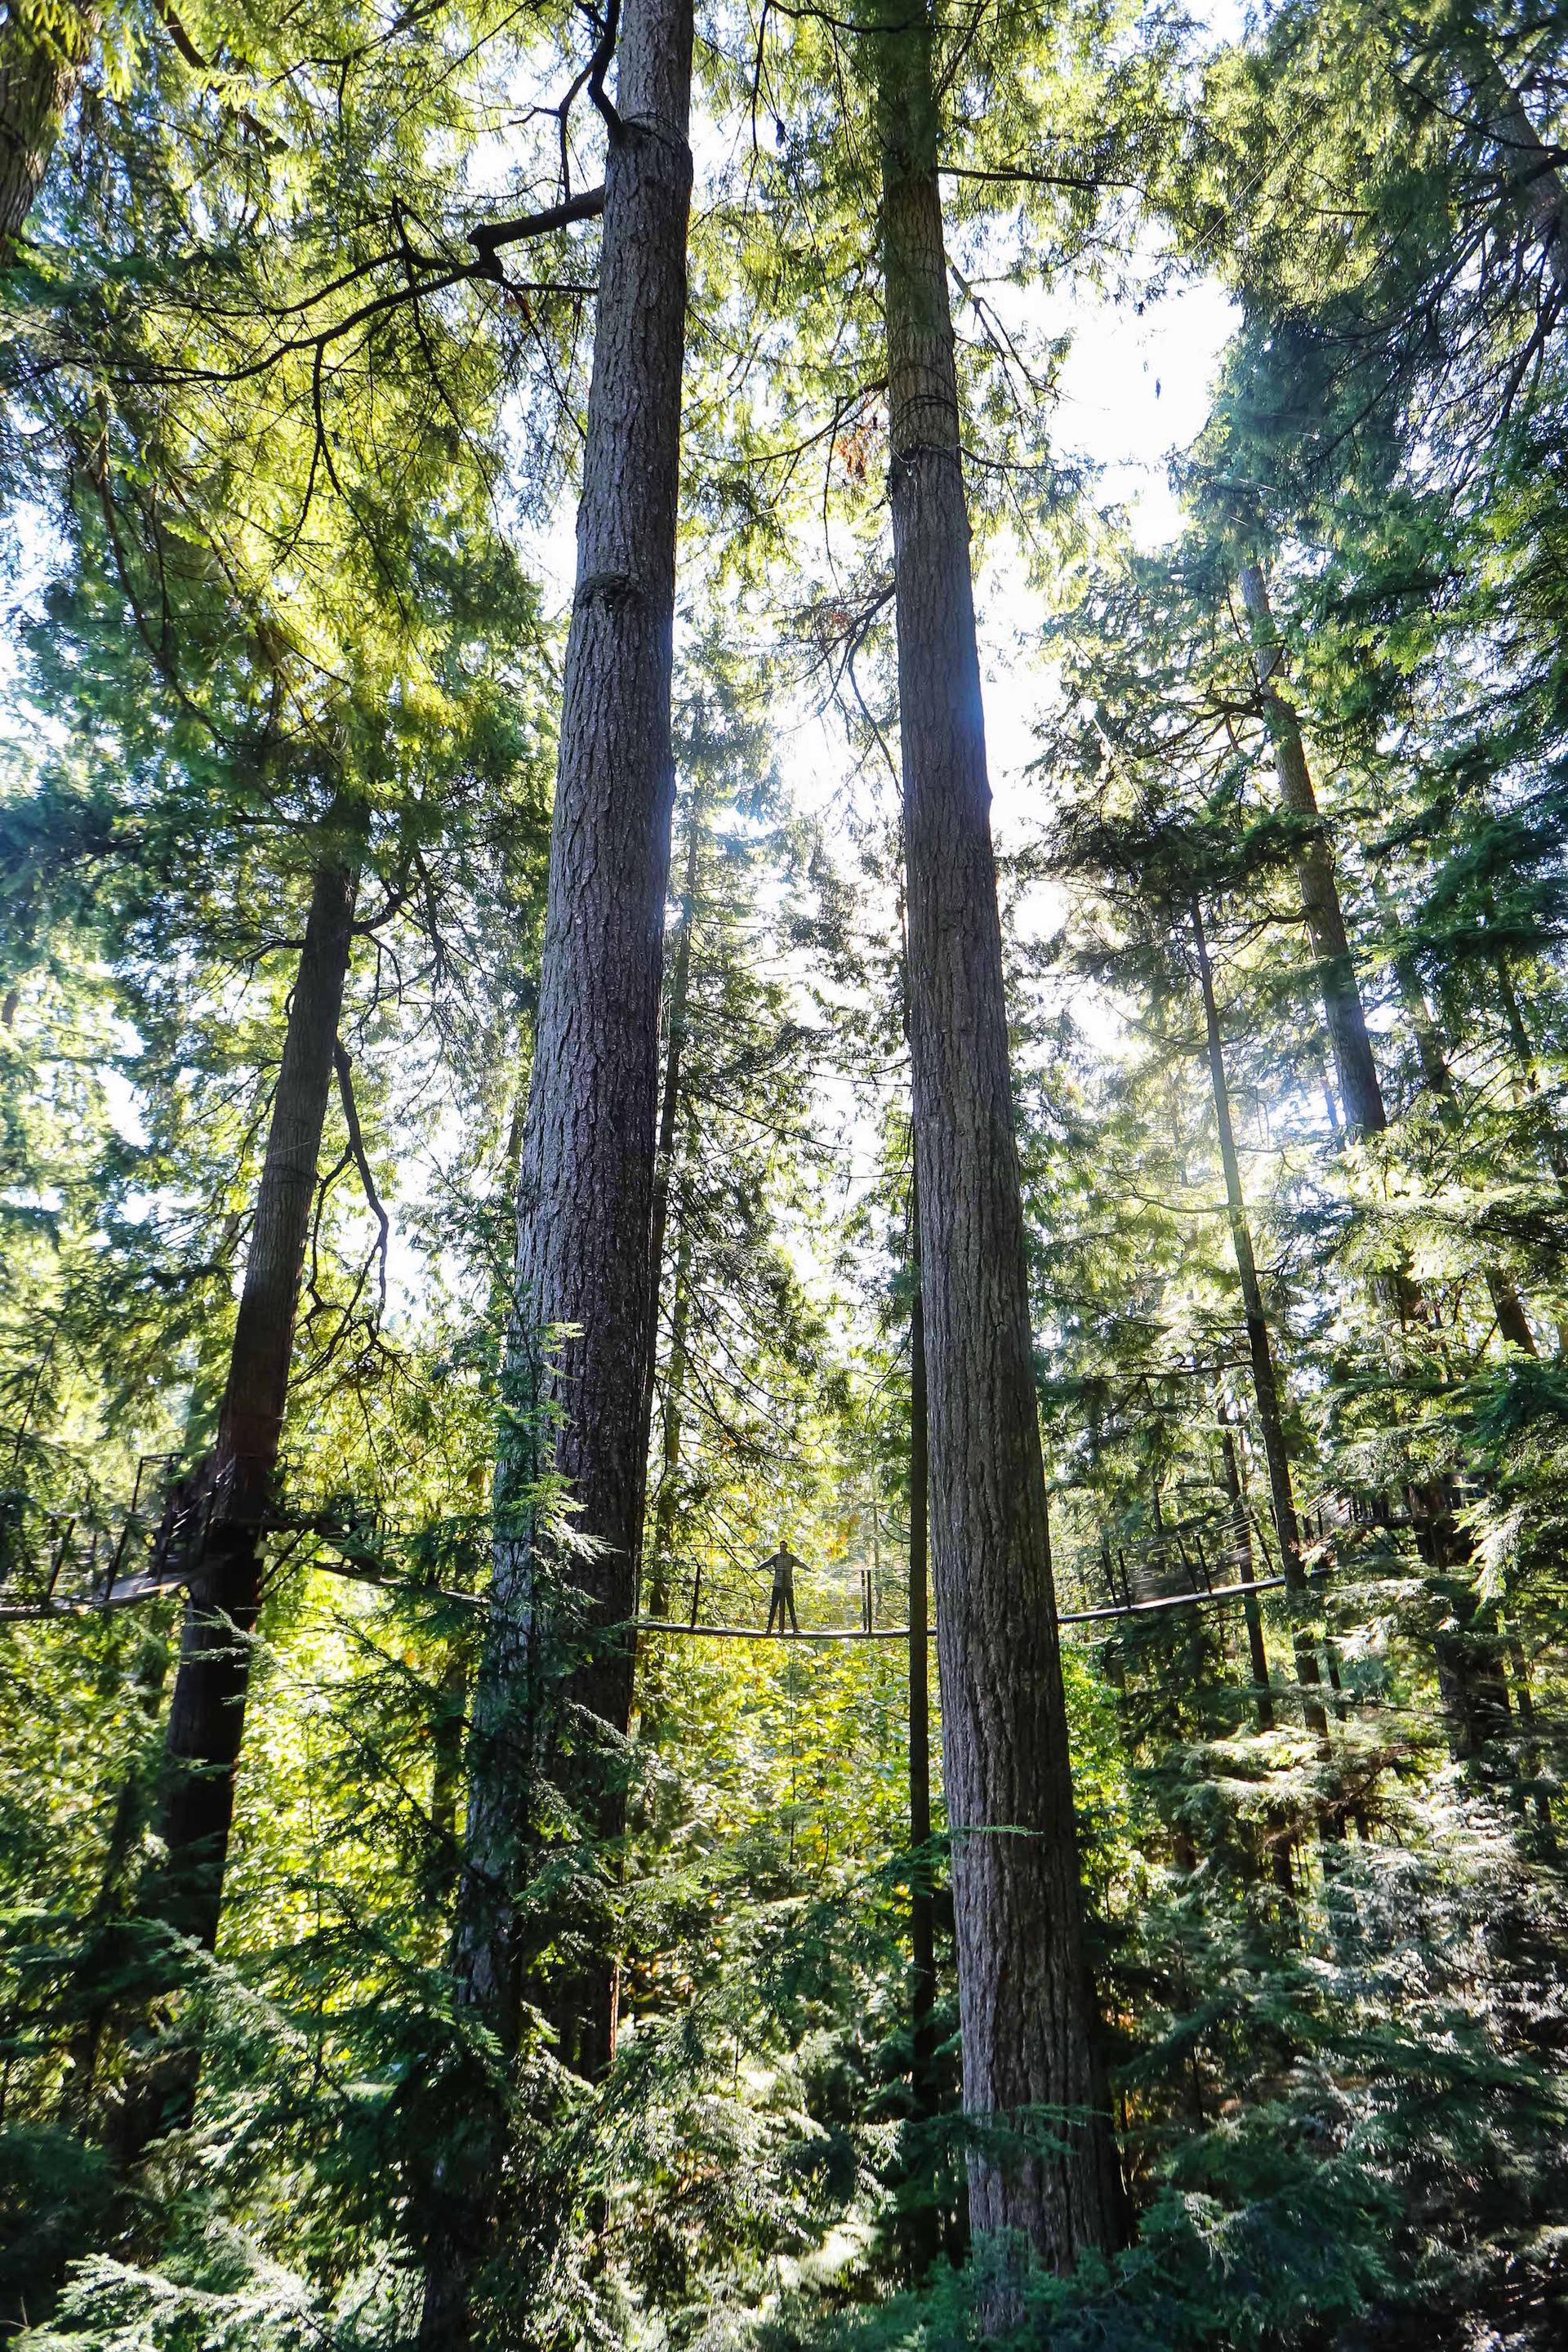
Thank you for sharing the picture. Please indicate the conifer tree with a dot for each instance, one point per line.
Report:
(1029, 2035)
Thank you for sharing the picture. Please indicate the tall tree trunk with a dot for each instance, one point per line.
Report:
(922, 1883)
(673, 1432)
(43, 51)
(105, 1954)
(234, 1488)
(586, 1189)
(1265, 1378)
(1360, 1090)
(1342, 1009)
(1026, 2013)
(669, 1096)
(1246, 1570)
(1466, 1670)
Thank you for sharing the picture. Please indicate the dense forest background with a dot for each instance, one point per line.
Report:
(525, 1090)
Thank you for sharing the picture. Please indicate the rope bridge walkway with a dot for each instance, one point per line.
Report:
(78, 1567)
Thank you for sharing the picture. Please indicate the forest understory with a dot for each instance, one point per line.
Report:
(783, 1495)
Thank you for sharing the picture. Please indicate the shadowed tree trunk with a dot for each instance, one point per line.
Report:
(556, 1656)
(673, 1432)
(1246, 1570)
(1342, 1009)
(232, 1492)
(1360, 1090)
(1532, 165)
(1026, 2014)
(1265, 1378)
(43, 51)
(922, 1891)
(670, 1095)
(1466, 1667)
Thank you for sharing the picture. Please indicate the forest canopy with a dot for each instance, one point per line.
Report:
(783, 1176)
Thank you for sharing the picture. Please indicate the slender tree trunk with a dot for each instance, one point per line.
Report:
(585, 1195)
(1246, 1570)
(1468, 1674)
(43, 51)
(1342, 1008)
(451, 1697)
(669, 1096)
(234, 1488)
(106, 1955)
(1265, 1378)
(673, 1432)
(1360, 1090)
(923, 1892)
(1027, 2024)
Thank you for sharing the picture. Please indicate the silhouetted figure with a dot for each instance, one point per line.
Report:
(784, 1564)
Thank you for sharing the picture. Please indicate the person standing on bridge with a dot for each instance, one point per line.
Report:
(784, 1564)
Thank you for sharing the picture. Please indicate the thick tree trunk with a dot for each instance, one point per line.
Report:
(43, 51)
(1265, 1378)
(586, 1189)
(559, 1651)
(232, 1490)
(1027, 2024)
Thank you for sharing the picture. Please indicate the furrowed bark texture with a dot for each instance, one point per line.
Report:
(1026, 2016)
(585, 1190)
(1265, 1378)
(553, 1697)
(40, 65)
(234, 1488)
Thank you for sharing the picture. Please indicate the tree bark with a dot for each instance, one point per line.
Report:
(1026, 2014)
(922, 1886)
(232, 1490)
(559, 1650)
(1542, 191)
(673, 1432)
(1360, 1089)
(1468, 1675)
(1263, 1692)
(43, 53)
(669, 1104)
(1265, 1378)
(586, 1193)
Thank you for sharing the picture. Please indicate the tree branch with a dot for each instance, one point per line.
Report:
(343, 1065)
